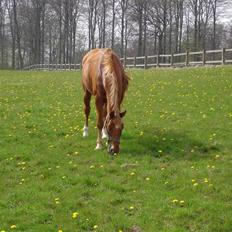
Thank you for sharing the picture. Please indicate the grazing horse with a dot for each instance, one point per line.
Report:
(104, 78)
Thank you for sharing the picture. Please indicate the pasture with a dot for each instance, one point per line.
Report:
(173, 172)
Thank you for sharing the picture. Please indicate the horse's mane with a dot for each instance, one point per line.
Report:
(111, 64)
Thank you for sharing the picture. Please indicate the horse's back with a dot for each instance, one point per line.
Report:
(93, 64)
(91, 70)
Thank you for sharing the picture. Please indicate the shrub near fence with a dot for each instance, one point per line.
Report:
(204, 57)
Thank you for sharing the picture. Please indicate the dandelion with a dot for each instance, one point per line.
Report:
(75, 215)
(13, 226)
(147, 178)
(131, 207)
(182, 202)
(92, 166)
(175, 201)
(95, 227)
(60, 230)
(217, 156)
(195, 184)
(132, 174)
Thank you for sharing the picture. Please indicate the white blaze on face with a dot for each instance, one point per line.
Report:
(117, 127)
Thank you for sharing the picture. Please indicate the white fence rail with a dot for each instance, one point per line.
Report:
(204, 57)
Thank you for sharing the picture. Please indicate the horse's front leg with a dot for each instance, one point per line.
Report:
(87, 98)
(100, 115)
(104, 132)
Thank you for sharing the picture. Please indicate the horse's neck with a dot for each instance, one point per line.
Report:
(113, 98)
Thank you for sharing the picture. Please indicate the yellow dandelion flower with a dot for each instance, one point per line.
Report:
(195, 184)
(13, 226)
(131, 207)
(132, 174)
(147, 178)
(95, 227)
(182, 202)
(75, 215)
(60, 230)
(175, 201)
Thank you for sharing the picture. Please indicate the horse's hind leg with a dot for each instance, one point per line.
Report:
(87, 98)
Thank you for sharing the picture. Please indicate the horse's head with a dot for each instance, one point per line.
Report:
(113, 127)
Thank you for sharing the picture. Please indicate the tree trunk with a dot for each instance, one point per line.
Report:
(17, 34)
(113, 24)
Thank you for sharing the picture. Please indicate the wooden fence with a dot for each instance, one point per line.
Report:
(200, 58)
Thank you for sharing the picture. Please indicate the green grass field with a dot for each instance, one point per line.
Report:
(173, 172)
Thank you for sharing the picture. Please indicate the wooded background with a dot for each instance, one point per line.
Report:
(62, 31)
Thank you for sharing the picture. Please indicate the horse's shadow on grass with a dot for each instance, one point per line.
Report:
(158, 143)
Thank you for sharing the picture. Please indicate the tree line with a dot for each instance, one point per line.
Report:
(62, 31)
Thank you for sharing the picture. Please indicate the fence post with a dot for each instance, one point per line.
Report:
(124, 61)
(145, 62)
(187, 58)
(157, 60)
(135, 61)
(223, 56)
(172, 59)
(203, 57)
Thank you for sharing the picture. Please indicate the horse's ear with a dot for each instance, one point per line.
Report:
(122, 114)
(112, 114)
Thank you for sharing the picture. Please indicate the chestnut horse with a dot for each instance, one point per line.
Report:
(104, 78)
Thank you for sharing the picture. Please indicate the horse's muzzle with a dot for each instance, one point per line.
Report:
(111, 150)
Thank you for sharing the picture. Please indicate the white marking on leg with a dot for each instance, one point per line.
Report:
(104, 134)
(85, 131)
(99, 146)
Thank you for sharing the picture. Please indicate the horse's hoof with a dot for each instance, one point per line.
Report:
(98, 147)
(85, 132)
